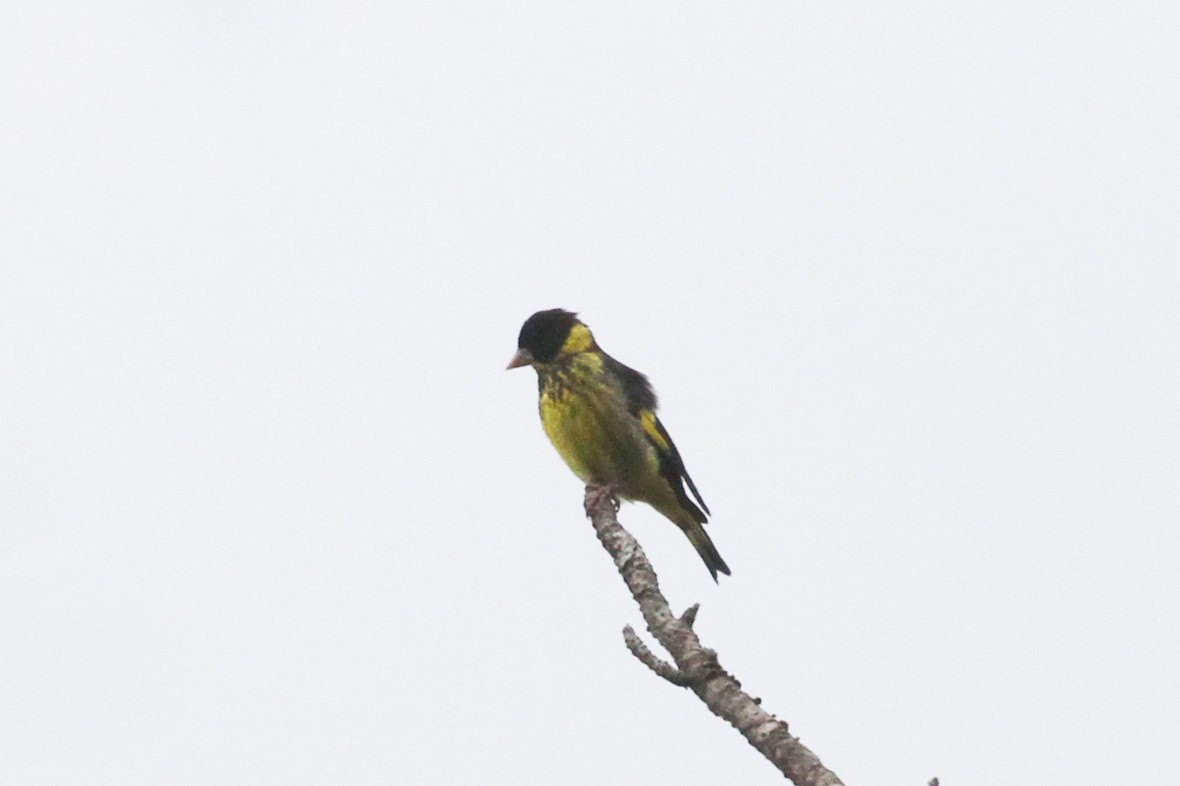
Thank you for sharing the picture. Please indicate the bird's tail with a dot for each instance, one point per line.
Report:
(704, 546)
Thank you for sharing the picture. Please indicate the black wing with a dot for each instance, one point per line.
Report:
(641, 402)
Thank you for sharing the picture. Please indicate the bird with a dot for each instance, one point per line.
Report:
(601, 417)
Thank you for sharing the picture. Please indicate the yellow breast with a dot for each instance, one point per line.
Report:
(587, 421)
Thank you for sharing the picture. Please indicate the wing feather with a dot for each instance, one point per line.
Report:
(641, 402)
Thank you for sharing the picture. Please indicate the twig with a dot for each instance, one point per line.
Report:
(696, 666)
(649, 659)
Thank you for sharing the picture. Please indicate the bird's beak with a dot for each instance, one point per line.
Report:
(522, 358)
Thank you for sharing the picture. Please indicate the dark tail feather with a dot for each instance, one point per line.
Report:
(704, 546)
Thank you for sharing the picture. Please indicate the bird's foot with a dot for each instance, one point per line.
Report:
(597, 492)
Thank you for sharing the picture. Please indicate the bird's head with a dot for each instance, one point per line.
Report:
(549, 335)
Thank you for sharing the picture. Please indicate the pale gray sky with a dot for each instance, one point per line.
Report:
(906, 278)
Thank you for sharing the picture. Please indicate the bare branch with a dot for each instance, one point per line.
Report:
(649, 659)
(697, 667)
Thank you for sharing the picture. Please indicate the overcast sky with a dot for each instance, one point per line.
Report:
(906, 279)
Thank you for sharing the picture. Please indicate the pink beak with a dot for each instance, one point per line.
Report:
(522, 358)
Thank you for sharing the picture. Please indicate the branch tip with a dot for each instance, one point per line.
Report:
(649, 659)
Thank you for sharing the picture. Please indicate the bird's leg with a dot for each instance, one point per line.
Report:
(597, 492)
